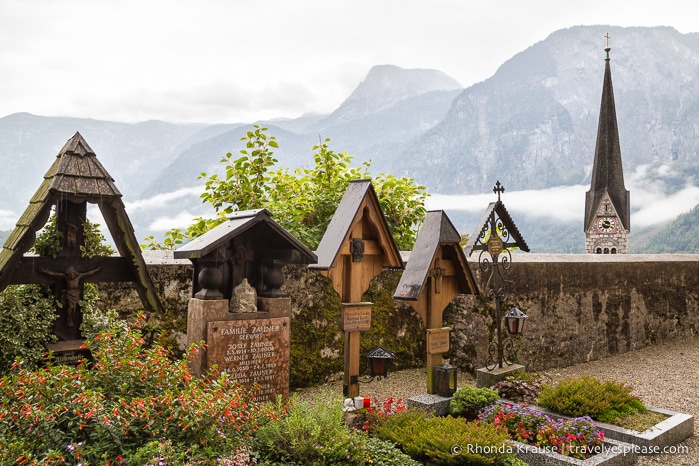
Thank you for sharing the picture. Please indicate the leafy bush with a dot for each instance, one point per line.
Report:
(27, 312)
(315, 433)
(129, 397)
(519, 388)
(303, 201)
(26, 318)
(577, 438)
(469, 400)
(604, 401)
(445, 440)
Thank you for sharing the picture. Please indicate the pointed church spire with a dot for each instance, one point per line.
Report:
(607, 173)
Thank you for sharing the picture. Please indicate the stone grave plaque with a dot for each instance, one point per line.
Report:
(438, 340)
(252, 351)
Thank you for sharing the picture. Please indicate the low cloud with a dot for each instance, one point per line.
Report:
(564, 203)
(649, 203)
(8, 219)
(182, 220)
(160, 201)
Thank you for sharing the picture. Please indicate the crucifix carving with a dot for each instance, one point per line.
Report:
(70, 296)
(437, 273)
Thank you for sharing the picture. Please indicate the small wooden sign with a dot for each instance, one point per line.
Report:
(356, 317)
(438, 340)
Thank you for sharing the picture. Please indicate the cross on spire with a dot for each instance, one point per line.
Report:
(607, 48)
(498, 188)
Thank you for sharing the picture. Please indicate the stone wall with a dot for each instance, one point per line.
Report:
(580, 308)
(585, 307)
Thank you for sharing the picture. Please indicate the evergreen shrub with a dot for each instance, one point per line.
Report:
(469, 400)
(446, 440)
(604, 401)
(315, 433)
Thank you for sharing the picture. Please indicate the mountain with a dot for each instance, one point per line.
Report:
(680, 236)
(384, 87)
(387, 109)
(132, 153)
(532, 125)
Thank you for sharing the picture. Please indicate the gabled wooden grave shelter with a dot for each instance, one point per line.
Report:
(74, 179)
(437, 271)
(249, 245)
(251, 345)
(356, 247)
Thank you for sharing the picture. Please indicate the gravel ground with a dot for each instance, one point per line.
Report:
(663, 376)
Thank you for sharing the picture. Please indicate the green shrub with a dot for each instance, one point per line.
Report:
(604, 401)
(469, 400)
(446, 440)
(315, 433)
(27, 313)
(129, 397)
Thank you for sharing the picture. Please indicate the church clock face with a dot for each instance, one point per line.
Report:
(606, 224)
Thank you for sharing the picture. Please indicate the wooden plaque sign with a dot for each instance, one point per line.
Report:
(356, 317)
(252, 351)
(438, 340)
(69, 353)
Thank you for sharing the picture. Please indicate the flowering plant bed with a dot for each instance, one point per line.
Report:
(676, 428)
(577, 437)
(541, 439)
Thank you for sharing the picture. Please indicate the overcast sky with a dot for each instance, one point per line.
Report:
(224, 61)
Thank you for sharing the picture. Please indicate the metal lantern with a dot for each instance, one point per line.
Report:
(514, 320)
(445, 380)
(379, 361)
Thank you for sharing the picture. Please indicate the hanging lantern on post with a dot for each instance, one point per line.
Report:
(445, 380)
(514, 320)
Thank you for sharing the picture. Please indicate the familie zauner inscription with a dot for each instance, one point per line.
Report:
(254, 351)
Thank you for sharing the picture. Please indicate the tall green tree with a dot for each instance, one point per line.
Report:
(303, 201)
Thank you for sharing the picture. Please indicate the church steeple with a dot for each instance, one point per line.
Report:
(607, 201)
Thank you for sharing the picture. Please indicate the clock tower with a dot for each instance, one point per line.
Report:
(607, 206)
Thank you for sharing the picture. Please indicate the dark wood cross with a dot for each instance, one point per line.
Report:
(68, 272)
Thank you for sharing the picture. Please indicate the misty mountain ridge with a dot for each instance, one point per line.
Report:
(532, 125)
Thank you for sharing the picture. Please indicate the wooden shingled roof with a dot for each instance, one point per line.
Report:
(77, 176)
(437, 232)
(275, 237)
(359, 193)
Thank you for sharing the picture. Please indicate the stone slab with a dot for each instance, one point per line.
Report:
(486, 378)
(253, 352)
(673, 430)
(199, 313)
(435, 404)
(613, 453)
